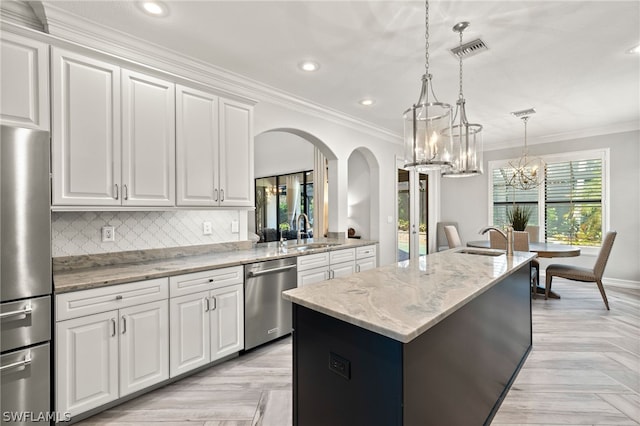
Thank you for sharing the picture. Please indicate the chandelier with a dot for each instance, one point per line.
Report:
(466, 137)
(427, 124)
(527, 172)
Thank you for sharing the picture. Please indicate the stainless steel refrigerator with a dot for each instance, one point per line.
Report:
(25, 276)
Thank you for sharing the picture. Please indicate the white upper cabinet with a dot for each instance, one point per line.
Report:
(236, 154)
(197, 147)
(214, 150)
(86, 130)
(24, 82)
(99, 160)
(148, 140)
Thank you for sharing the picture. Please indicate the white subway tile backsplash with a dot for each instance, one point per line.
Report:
(78, 233)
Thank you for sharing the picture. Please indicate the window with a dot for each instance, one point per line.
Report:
(570, 206)
(279, 202)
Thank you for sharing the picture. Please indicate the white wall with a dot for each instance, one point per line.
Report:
(466, 200)
(280, 153)
(359, 195)
(337, 141)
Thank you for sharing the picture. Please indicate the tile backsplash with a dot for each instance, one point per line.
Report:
(80, 233)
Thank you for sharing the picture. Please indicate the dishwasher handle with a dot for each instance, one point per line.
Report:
(270, 271)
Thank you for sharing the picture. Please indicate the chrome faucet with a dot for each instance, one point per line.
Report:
(306, 223)
(507, 236)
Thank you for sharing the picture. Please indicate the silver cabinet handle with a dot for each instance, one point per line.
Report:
(357, 268)
(215, 303)
(269, 271)
(206, 304)
(27, 310)
(117, 192)
(125, 192)
(221, 195)
(113, 327)
(215, 197)
(26, 361)
(124, 324)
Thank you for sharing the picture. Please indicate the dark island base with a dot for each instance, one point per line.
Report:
(456, 373)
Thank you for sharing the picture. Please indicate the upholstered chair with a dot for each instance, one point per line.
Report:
(453, 238)
(441, 237)
(577, 273)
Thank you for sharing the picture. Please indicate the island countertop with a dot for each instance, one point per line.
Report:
(403, 300)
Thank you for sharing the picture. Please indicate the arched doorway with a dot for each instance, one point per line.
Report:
(362, 194)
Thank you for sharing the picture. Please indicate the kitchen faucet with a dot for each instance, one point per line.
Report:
(298, 240)
(508, 236)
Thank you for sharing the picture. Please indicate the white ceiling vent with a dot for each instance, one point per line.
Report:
(524, 112)
(469, 49)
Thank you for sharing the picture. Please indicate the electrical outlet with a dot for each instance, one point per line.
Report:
(206, 228)
(235, 227)
(108, 234)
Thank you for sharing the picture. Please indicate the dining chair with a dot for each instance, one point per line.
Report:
(534, 233)
(587, 275)
(453, 238)
(520, 243)
(441, 237)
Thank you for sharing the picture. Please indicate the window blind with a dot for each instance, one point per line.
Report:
(573, 202)
(505, 197)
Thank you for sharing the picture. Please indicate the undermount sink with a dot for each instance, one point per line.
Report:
(481, 252)
(311, 246)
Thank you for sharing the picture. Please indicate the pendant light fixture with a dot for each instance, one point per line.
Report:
(527, 172)
(466, 137)
(427, 124)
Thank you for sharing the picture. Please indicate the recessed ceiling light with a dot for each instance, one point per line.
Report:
(367, 102)
(309, 66)
(634, 50)
(154, 8)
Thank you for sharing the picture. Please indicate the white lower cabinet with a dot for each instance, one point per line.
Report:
(205, 325)
(122, 349)
(366, 258)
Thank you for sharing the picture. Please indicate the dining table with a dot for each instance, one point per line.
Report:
(544, 250)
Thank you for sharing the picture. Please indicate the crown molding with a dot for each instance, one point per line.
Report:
(20, 13)
(628, 126)
(70, 27)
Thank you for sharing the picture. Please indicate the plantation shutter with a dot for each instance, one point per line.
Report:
(505, 197)
(573, 202)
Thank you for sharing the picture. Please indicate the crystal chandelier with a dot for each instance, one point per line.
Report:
(466, 137)
(527, 172)
(427, 124)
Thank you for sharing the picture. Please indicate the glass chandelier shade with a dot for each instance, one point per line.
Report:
(427, 124)
(466, 137)
(527, 172)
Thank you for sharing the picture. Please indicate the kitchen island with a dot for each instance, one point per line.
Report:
(433, 341)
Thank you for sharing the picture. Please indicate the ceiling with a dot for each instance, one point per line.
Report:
(567, 59)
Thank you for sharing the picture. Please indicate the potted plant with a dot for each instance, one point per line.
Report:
(518, 217)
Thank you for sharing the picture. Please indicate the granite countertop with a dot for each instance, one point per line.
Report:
(403, 300)
(85, 272)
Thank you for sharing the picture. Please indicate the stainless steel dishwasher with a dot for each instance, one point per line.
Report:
(267, 315)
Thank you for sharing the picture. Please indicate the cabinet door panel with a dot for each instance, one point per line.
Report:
(313, 276)
(343, 269)
(144, 346)
(227, 321)
(86, 362)
(148, 142)
(236, 154)
(24, 82)
(365, 264)
(86, 130)
(196, 147)
(189, 335)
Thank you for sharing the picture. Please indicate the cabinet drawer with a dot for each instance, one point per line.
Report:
(86, 302)
(339, 256)
(313, 261)
(366, 251)
(206, 280)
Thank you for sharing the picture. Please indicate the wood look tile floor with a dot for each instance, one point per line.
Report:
(584, 369)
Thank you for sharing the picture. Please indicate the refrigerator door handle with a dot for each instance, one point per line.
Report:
(27, 310)
(25, 362)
